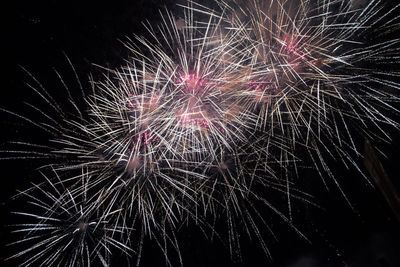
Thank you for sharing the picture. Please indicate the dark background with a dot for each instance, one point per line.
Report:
(38, 34)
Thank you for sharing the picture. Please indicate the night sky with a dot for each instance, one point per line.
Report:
(38, 36)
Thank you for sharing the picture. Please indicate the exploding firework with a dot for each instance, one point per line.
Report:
(314, 73)
(68, 226)
(208, 122)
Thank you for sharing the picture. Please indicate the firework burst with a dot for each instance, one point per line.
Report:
(314, 72)
(68, 227)
(208, 121)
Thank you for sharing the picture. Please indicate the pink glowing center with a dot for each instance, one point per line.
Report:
(193, 119)
(290, 44)
(192, 82)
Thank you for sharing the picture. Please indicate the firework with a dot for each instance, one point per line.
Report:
(314, 72)
(208, 121)
(68, 226)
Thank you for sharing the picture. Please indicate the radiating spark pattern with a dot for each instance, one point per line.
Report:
(210, 120)
(68, 227)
